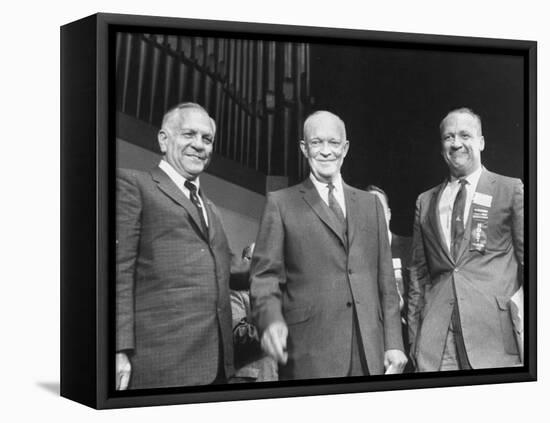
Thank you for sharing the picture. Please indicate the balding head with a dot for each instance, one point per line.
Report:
(324, 145)
(173, 116)
(461, 142)
(186, 139)
(323, 115)
(462, 110)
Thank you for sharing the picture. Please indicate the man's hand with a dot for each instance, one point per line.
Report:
(274, 341)
(123, 371)
(394, 361)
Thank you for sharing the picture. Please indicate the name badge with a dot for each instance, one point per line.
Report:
(396, 263)
(484, 200)
(478, 235)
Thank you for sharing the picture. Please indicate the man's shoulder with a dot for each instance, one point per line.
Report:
(428, 194)
(502, 179)
(287, 193)
(133, 176)
(361, 195)
(131, 173)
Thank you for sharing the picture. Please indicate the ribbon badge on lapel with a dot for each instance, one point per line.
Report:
(481, 204)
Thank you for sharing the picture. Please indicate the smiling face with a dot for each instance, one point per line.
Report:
(461, 143)
(186, 140)
(325, 145)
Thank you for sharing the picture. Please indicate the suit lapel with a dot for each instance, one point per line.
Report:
(169, 188)
(313, 199)
(484, 186)
(212, 218)
(351, 211)
(435, 221)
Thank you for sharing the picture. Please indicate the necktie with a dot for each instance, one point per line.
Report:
(334, 206)
(457, 233)
(457, 219)
(195, 200)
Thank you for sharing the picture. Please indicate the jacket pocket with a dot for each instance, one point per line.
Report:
(297, 315)
(508, 337)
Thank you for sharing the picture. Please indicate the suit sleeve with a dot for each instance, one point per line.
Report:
(267, 270)
(517, 226)
(389, 297)
(128, 226)
(418, 277)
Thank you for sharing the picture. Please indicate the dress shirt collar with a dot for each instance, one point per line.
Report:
(322, 186)
(180, 183)
(338, 192)
(472, 178)
(176, 177)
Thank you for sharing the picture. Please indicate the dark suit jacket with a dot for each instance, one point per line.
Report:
(305, 274)
(484, 282)
(172, 284)
(401, 249)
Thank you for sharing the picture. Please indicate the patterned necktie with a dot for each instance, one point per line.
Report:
(195, 200)
(334, 206)
(457, 219)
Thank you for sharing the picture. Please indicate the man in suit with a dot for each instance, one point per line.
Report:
(467, 259)
(173, 313)
(322, 286)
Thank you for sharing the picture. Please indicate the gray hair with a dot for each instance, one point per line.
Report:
(183, 106)
(308, 120)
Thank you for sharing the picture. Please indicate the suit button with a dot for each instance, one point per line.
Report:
(348, 304)
(350, 271)
(456, 269)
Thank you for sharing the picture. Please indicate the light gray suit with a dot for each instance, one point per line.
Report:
(484, 281)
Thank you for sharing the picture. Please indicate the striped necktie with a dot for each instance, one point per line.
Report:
(195, 200)
(334, 206)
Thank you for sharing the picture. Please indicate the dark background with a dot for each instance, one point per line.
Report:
(392, 101)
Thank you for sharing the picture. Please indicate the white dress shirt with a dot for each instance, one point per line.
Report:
(447, 200)
(180, 183)
(322, 189)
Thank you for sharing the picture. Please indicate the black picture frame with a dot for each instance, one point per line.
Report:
(87, 222)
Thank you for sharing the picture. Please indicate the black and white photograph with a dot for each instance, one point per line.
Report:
(309, 208)
(267, 212)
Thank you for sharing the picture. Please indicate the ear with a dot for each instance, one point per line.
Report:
(162, 138)
(481, 143)
(345, 148)
(303, 147)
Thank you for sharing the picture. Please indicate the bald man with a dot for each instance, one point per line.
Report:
(173, 265)
(322, 285)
